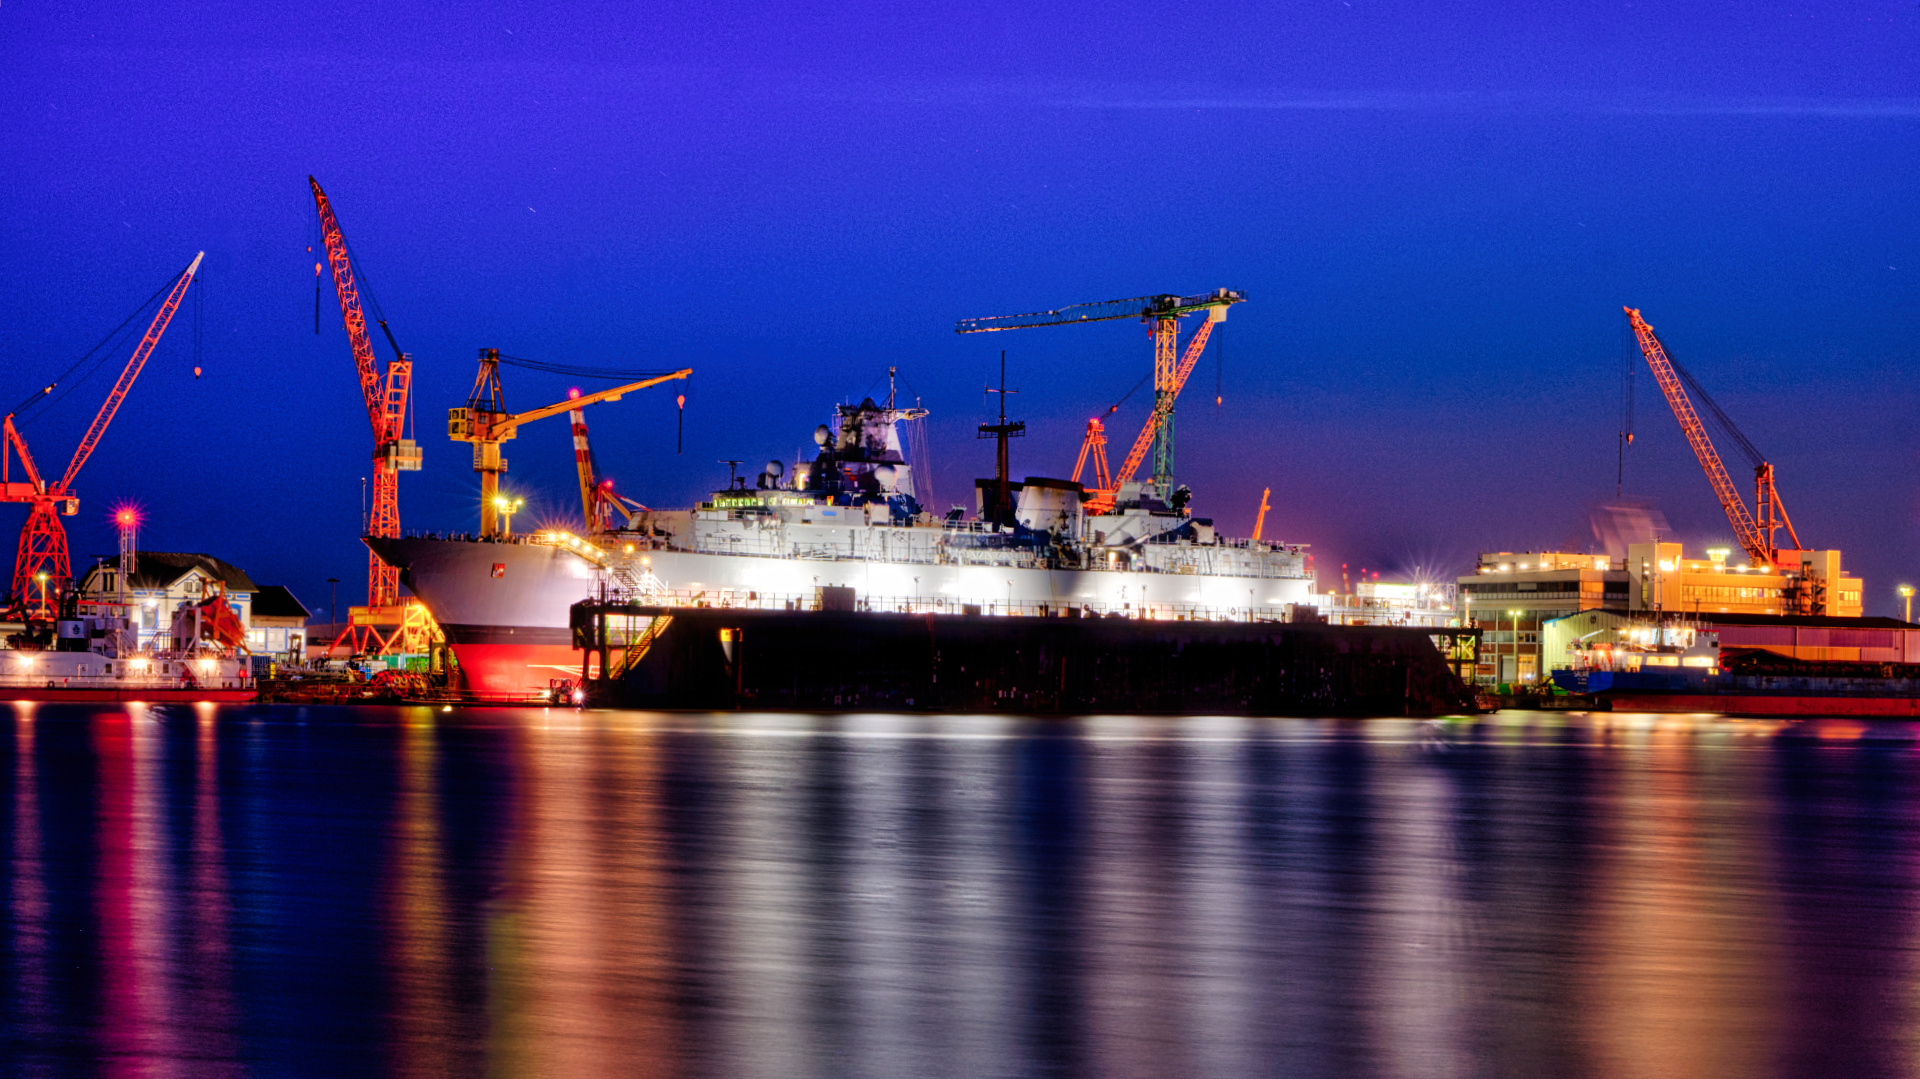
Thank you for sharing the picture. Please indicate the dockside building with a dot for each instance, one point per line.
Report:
(1511, 595)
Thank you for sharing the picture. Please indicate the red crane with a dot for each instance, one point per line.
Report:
(42, 555)
(1757, 536)
(1169, 374)
(386, 397)
(1094, 448)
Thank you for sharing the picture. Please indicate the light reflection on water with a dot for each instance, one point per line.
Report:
(201, 891)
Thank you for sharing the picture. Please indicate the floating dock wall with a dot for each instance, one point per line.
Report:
(708, 658)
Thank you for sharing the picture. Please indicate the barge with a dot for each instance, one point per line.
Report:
(638, 655)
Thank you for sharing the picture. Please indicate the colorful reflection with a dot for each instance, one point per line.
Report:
(317, 891)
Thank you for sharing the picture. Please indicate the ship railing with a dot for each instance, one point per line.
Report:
(947, 605)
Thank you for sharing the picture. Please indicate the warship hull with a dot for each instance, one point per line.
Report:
(503, 605)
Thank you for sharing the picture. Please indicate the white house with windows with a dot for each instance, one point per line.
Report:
(161, 580)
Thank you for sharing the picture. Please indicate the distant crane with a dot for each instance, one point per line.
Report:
(599, 505)
(1260, 519)
(386, 393)
(1094, 447)
(1756, 535)
(486, 423)
(41, 558)
(1169, 373)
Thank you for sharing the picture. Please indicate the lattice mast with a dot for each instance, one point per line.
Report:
(385, 392)
(42, 569)
(1756, 535)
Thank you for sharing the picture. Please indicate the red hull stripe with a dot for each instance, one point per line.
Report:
(106, 694)
(514, 671)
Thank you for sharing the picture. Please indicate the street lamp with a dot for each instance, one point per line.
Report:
(1906, 593)
(507, 507)
(1515, 616)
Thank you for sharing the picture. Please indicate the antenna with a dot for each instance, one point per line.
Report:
(1002, 507)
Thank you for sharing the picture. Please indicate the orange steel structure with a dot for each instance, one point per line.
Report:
(1260, 519)
(486, 423)
(1095, 447)
(386, 399)
(41, 559)
(1169, 373)
(1756, 533)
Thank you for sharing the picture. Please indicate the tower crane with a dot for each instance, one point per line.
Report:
(385, 392)
(1756, 533)
(42, 554)
(486, 423)
(1169, 373)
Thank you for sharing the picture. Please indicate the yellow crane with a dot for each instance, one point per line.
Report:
(486, 423)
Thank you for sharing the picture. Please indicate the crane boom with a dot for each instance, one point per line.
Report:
(584, 400)
(132, 371)
(1758, 545)
(41, 557)
(356, 320)
(386, 400)
(1165, 305)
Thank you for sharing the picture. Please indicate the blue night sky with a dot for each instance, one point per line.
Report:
(1436, 208)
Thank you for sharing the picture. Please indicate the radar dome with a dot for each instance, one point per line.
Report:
(821, 434)
(885, 474)
(776, 469)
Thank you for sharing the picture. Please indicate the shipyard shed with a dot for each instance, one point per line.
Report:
(279, 623)
(1819, 640)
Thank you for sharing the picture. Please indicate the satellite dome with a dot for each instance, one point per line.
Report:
(821, 434)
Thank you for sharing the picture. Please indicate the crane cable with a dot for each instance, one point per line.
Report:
(576, 371)
(98, 355)
(1722, 420)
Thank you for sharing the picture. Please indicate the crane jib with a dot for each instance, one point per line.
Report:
(111, 405)
(1165, 305)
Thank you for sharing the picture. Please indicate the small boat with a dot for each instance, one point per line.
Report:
(91, 653)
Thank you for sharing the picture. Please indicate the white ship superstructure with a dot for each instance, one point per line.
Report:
(846, 530)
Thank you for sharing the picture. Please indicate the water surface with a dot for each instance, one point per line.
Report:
(196, 890)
